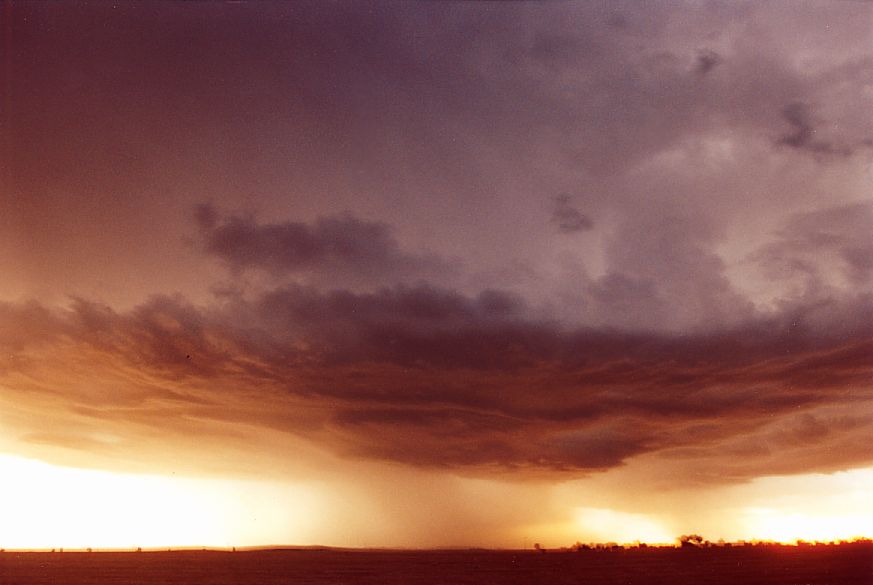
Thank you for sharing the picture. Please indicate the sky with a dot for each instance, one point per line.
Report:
(430, 274)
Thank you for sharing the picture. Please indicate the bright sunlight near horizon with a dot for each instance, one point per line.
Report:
(609, 525)
(811, 507)
(51, 507)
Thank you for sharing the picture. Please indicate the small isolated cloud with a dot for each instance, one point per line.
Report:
(341, 246)
(803, 133)
(569, 219)
(707, 60)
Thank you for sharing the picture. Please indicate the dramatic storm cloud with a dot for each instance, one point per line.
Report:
(430, 377)
(521, 242)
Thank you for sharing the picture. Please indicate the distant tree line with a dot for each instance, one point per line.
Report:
(696, 541)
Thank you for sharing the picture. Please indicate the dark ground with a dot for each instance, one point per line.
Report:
(843, 564)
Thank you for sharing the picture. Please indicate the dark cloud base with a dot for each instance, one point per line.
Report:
(429, 376)
(433, 378)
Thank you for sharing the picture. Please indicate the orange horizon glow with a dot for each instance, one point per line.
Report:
(51, 506)
(55, 507)
(292, 547)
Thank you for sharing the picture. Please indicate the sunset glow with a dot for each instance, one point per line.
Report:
(779, 526)
(821, 508)
(435, 274)
(47, 506)
(611, 526)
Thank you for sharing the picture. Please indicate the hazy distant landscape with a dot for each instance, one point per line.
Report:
(848, 563)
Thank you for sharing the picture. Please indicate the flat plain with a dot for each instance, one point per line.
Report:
(850, 563)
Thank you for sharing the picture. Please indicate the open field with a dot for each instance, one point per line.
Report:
(824, 565)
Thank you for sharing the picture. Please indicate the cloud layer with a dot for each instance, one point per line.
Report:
(434, 377)
(536, 239)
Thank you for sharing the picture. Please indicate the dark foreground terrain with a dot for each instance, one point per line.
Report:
(843, 564)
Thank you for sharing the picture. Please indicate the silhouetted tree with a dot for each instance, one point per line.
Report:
(691, 540)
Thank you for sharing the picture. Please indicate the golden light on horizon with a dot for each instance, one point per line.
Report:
(811, 507)
(778, 526)
(49, 506)
(604, 525)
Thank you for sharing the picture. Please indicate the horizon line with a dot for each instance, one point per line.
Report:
(534, 549)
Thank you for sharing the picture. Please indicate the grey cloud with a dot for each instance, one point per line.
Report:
(707, 60)
(568, 218)
(822, 253)
(596, 447)
(334, 246)
(441, 109)
(435, 378)
(832, 438)
(407, 326)
(803, 134)
(662, 274)
(545, 93)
